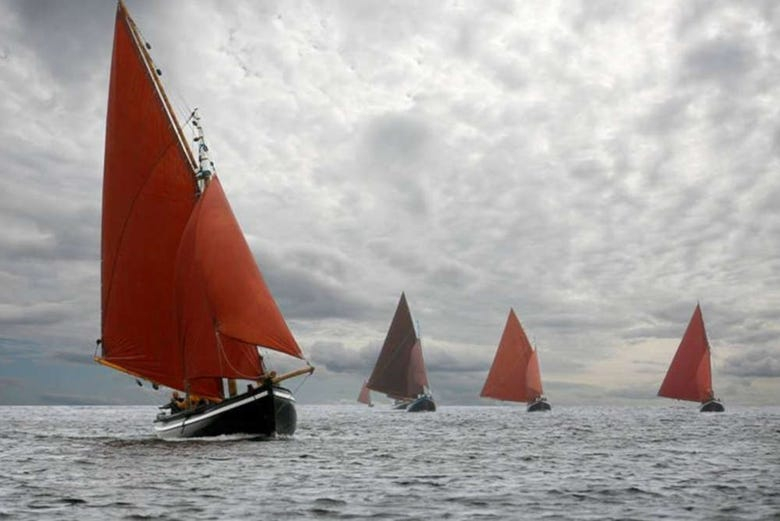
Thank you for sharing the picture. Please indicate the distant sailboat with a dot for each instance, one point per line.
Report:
(400, 369)
(184, 304)
(514, 375)
(365, 396)
(690, 374)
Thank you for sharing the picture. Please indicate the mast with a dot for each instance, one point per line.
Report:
(205, 164)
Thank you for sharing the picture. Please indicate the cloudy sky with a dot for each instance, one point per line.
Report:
(598, 166)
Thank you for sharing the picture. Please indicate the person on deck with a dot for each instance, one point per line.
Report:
(177, 402)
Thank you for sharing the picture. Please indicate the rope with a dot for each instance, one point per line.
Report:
(302, 382)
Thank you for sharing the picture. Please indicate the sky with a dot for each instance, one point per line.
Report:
(598, 166)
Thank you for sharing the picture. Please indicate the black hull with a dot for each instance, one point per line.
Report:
(262, 412)
(712, 406)
(539, 405)
(422, 404)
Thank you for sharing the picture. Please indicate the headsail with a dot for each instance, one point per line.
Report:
(514, 375)
(225, 307)
(365, 395)
(690, 376)
(400, 368)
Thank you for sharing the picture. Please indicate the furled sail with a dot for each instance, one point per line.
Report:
(183, 301)
(149, 192)
(400, 369)
(690, 376)
(514, 375)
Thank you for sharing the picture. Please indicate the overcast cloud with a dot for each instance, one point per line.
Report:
(598, 166)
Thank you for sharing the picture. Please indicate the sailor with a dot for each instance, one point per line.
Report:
(177, 402)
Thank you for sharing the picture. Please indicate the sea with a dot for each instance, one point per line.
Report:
(355, 462)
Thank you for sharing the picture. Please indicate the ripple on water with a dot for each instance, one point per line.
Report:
(354, 463)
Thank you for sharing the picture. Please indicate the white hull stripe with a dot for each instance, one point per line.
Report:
(205, 416)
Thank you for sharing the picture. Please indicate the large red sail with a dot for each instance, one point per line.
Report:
(514, 375)
(148, 195)
(400, 368)
(689, 376)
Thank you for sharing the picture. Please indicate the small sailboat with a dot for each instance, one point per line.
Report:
(399, 371)
(690, 374)
(183, 302)
(514, 375)
(365, 396)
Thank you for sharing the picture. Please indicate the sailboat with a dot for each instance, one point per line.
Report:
(183, 303)
(365, 396)
(514, 375)
(690, 374)
(399, 371)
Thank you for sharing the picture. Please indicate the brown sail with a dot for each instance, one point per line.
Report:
(514, 375)
(690, 376)
(183, 302)
(400, 369)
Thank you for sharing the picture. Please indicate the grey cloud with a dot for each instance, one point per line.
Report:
(442, 361)
(666, 116)
(395, 149)
(397, 256)
(311, 285)
(49, 27)
(726, 61)
(397, 141)
(40, 313)
(336, 358)
(635, 392)
(449, 273)
(761, 363)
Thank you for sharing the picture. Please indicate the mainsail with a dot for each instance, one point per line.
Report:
(514, 375)
(690, 376)
(183, 302)
(400, 369)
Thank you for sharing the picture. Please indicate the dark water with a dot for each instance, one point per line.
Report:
(351, 462)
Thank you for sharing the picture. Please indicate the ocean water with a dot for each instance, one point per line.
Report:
(352, 462)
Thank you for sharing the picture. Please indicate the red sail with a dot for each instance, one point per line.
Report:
(400, 368)
(365, 395)
(148, 195)
(514, 375)
(533, 377)
(225, 306)
(689, 376)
